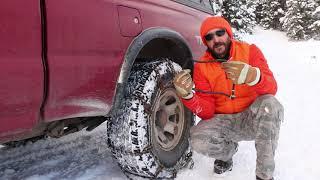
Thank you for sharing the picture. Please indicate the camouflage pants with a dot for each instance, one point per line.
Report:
(219, 137)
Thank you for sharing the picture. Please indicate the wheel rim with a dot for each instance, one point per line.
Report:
(168, 120)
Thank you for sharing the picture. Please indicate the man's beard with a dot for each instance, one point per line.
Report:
(223, 55)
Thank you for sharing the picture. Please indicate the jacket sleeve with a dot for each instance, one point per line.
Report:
(267, 83)
(201, 104)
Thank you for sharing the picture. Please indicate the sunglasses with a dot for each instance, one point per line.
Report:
(218, 33)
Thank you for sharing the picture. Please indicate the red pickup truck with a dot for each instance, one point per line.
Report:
(71, 65)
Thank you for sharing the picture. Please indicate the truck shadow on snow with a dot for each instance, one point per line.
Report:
(82, 155)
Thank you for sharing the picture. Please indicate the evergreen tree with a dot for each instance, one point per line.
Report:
(216, 5)
(239, 14)
(299, 21)
(315, 26)
(271, 12)
(253, 7)
(259, 10)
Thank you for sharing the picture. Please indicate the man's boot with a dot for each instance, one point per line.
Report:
(257, 178)
(221, 167)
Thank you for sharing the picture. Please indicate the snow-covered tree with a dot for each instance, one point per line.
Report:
(216, 6)
(315, 26)
(299, 20)
(257, 5)
(239, 14)
(269, 13)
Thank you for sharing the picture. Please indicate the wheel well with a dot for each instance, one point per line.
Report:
(152, 43)
(161, 47)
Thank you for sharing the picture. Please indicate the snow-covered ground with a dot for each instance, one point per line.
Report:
(296, 66)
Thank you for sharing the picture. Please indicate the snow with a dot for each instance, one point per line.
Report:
(296, 66)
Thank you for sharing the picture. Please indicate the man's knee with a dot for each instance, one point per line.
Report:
(271, 101)
(270, 106)
(199, 142)
(203, 140)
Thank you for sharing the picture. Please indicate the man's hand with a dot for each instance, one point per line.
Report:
(241, 73)
(183, 84)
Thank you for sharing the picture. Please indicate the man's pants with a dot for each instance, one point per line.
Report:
(218, 136)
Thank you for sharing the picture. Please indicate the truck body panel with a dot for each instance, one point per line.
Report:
(62, 59)
(21, 84)
(84, 58)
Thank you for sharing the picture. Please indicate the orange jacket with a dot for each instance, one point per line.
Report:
(211, 77)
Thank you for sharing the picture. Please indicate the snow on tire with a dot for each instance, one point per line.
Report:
(149, 133)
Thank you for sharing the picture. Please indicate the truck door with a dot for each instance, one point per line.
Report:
(84, 57)
(21, 70)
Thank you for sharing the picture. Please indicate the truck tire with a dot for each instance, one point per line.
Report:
(149, 134)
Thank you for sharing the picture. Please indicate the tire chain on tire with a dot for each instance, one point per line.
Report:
(185, 161)
(186, 158)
